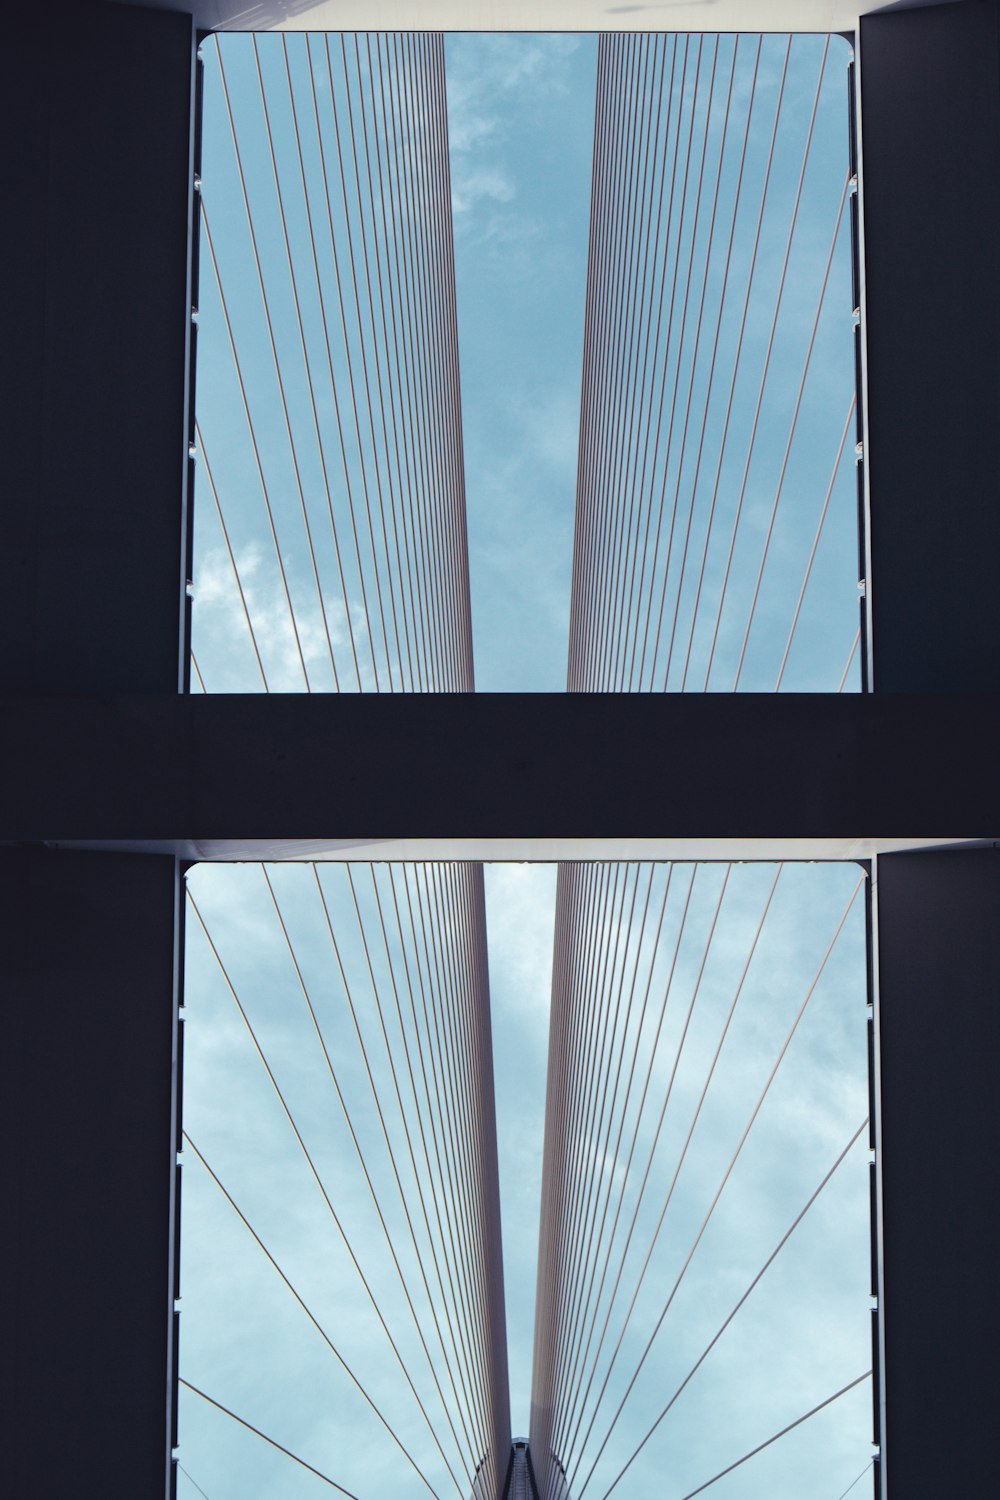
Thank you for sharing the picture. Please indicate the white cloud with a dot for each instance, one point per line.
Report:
(223, 644)
(489, 184)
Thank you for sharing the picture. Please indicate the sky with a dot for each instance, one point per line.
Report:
(717, 446)
(520, 115)
(800, 1336)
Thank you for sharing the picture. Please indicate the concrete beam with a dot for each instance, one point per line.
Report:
(259, 773)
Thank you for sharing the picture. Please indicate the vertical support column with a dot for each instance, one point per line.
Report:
(97, 105)
(939, 1028)
(97, 156)
(930, 162)
(89, 1099)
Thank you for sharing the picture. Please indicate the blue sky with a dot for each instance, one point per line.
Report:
(520, 124)
(521, 113)
(799, 1337)
(521, 129)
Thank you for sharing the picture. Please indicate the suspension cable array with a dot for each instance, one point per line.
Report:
(334, 553)
(651, 966)
(707, 302)
(719, 265)
(386, 1104)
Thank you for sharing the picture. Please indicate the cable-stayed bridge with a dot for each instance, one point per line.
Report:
(112, 759)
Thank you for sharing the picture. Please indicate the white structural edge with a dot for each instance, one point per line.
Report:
(519, 851)
(529, 15)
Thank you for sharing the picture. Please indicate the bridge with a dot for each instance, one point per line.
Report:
(119, 776)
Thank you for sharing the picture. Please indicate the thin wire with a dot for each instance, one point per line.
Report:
(309, 1314)
(257, 1432)
(857, 1481)
(729, 1318)
(187, 1476)
(847, 665)
(197, 673)
(767, 1443)
(819, 531)
(232, 558)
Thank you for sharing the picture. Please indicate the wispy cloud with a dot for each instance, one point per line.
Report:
(494, 96)
(520, 118)
(224, 646)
